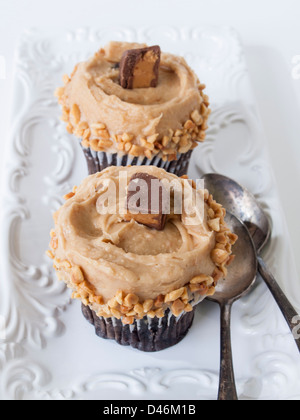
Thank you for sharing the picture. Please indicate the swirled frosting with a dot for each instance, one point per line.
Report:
(116, 255)
(165, 120)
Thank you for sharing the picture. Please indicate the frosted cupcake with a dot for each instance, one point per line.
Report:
(133, 105)
(139, 276)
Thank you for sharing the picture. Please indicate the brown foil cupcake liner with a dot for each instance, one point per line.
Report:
(98, 161)
(147, 334)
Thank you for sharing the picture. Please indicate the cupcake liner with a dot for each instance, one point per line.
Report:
(147, 334)
(98, 161)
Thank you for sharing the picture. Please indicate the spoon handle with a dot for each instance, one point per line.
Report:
(227, 389)
(291, 316)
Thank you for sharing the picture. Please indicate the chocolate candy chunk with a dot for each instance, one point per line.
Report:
(139, 68)
(147, 201)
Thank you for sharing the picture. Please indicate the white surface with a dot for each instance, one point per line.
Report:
(47, 353)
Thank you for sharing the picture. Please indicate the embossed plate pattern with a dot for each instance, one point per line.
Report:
(47, 350)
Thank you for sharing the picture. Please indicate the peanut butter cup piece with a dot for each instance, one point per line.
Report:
(139, 68)
(147, 201)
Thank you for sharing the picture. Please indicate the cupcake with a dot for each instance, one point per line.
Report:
(133, 105)
(140, 274)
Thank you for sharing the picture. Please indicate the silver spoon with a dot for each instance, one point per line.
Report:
(241, 277)
(240, 202)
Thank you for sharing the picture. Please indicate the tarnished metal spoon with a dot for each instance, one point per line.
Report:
(240, 202)
(241, 277)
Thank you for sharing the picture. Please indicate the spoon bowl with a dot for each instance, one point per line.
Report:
(242, 203)
(243, 270)
(239, 281)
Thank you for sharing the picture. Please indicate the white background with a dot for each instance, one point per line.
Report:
(270, 32)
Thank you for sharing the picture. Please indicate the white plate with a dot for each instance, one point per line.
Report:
(47, 349)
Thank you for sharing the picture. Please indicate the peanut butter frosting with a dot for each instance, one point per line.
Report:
(106, 260)
(166, 120)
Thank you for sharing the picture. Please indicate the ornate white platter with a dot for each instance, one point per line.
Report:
(47, 349)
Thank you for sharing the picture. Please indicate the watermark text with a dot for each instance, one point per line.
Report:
(160, 196)
(296, 329)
